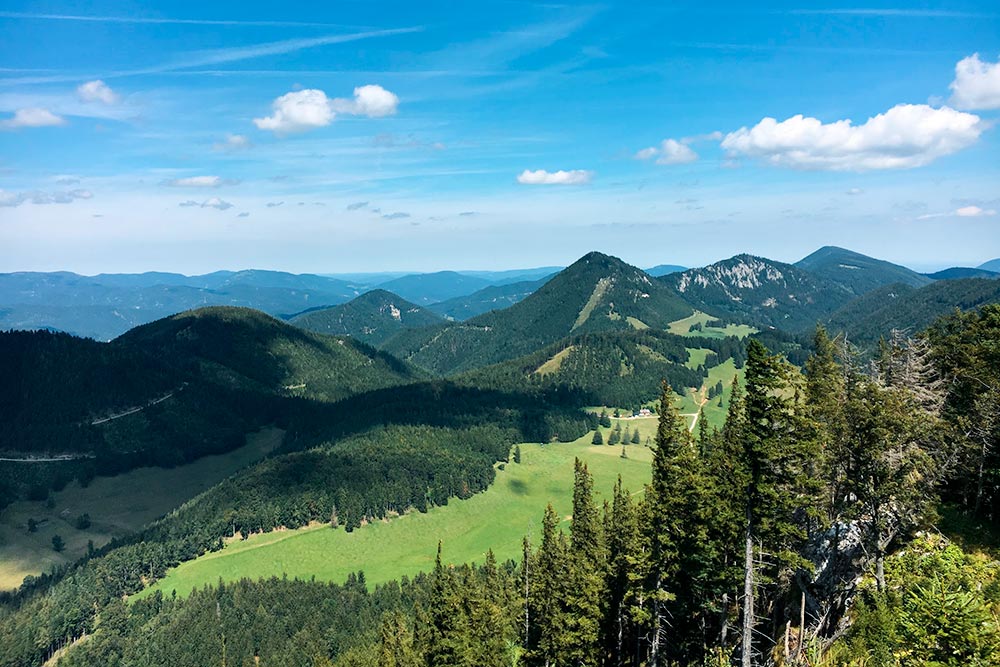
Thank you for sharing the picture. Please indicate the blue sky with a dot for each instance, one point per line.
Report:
(362, 136)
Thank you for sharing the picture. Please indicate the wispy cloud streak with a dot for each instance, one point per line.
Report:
(166, 21)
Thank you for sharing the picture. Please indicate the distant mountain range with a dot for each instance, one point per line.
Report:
(992, 265)
(665, 269)
(372, 317)
(856, 272)
(745, 288)
(494, 297)
(595, 294)
(961, 272)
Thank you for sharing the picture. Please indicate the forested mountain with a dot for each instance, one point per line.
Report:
(107, 305)
(597, 293)
(621, 368)
(427, 288)
(905, 308)
(245, 348)
(167, 392)
(665, 270)
(961, 272)
(858, 273)
(760, 291)
(992, 265)
(515, 275)
(494, 297)
(372, 317)
(812, 508)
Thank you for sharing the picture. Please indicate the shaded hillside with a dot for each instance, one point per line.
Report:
(167, 392)
(426, 288)
(246, 348)
(597, 293)
(895, 307)
(617, 368)
(992, 265)
(759, 291)
(665, 270)
(902, 307)
(372, 317)
(858, 273)
(495, 297)
(107, 305)
(962, 272)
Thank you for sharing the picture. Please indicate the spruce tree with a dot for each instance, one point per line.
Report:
(776, 454)
(588, 562)
(679, 552)
(598, 439)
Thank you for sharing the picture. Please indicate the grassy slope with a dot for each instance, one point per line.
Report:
(117, 505)
(682, 327)
(497, 518)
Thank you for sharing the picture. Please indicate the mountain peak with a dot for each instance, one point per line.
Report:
(858, 273)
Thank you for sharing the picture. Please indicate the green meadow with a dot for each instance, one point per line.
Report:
(683, 327)
(116, 505)
(497, 519)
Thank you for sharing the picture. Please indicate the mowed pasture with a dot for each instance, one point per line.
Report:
(683, 327)
(498, 519)
(116, 505)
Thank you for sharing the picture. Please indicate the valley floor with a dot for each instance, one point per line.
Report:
(116, 505)
(496, 519)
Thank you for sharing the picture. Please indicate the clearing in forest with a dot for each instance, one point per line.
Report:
(497, 519)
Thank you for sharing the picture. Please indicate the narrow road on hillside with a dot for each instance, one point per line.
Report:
(130, 411)
(47, 459)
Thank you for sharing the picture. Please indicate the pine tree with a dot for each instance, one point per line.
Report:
(635, 436)
(623, 594)
(588, 563)
(548, 640)
(679, 552)
(778, 486)
(517, 453)
(889, 480)
(598, 439)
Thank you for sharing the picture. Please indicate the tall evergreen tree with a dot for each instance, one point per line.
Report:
(776, 456)
(679, 553)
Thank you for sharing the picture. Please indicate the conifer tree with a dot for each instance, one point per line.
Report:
(778, 486)
(598, 439)
(588, 563)
(679, 553)
(548, 640)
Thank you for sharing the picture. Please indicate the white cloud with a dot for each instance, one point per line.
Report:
(298, 111)
(970, 211)
(40, 198)
(199, 182)
(973, 212)
(357, 205)
(97, 91)
(396, 216)
(976, 84)
(854, 191)
(673, 151)
(244, 214)
(371, 101)
(905, 136)
(542, 177)
(213, 202)
(32, 117)
(309, 109)
(232, 143)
